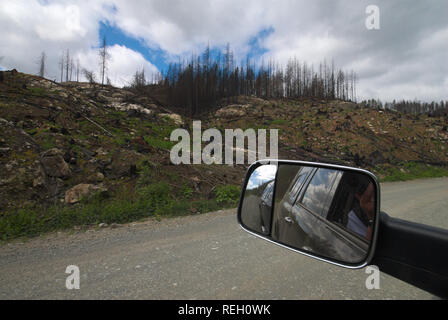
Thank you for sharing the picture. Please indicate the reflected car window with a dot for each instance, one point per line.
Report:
(299, 182)
(319, 190)
(267, 195)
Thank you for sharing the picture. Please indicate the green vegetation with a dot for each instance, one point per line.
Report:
(227, 194)
(48, 143)
(153, 200)
(410, 171)
(187, 192)
(279, 122)
(158, 143)
(121, 140)
(37, 91)
(31, 131)
(141, 184)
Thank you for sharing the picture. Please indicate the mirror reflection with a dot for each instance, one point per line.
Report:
(326, 212)
(258, 199)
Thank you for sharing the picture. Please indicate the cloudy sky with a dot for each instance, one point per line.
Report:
(405, 58)
(261, 175)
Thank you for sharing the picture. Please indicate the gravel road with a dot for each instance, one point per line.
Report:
(205, 256)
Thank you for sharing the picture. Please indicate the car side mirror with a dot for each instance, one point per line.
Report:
(328, 212)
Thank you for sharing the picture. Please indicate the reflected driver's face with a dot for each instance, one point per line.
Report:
(367, 201)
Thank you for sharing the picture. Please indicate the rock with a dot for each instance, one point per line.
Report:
(5, 182)
(38, 182)
(87, 154)
(5, 151)
(99, 176)
(6, 122)
(128, 107)
(101, 152)
(54, 164)
(177, 119)
(231, 111)
(105, 162)
(96, 177)
(80, 191)
(10, 165)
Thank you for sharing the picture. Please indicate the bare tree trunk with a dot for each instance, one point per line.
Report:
(61, 65)
(77, 70)
(42, 61)
(72, 66)
(67, 65)
(104, 56)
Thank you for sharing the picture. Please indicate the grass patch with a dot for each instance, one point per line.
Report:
(410, 171)
(227, 195)
(158, 143)
(37, 91)
(31, 131)
(48, 142)
(187, 192)
(155, 200)
(279, 122)
(121, 140)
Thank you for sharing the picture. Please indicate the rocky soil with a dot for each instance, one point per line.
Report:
(341, 132)
(62, 142)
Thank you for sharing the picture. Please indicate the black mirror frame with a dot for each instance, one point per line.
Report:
(276, 162)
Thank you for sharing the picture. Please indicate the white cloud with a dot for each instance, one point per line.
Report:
(122, 64)
(30, 27)
(63, 23)
(183, 26)
(261, 175)
(405, 58)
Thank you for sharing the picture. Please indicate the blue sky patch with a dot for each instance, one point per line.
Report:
(115, 35)
(256, 50)
(159, 57)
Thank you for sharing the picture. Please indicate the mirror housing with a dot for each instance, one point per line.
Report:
(328, 212)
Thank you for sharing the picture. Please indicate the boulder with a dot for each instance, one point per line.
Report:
(231, 111)
(131, 107)
(54, 164)
(176, 118)
(39, 181)
(99, 176)
(96, 177)
(80, 191)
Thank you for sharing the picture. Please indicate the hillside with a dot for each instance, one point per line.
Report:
(78, 153)
(342, 132)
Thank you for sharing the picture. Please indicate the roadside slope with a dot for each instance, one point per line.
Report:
(79, 154)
